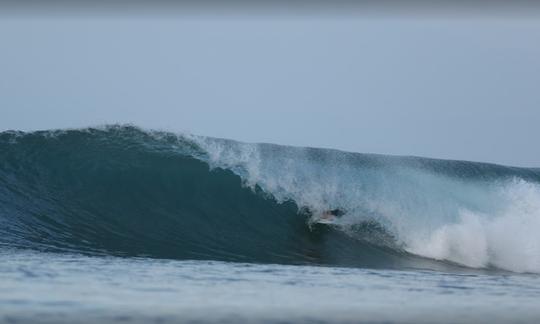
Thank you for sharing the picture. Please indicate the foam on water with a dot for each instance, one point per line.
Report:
(508, 238)
(465, 213)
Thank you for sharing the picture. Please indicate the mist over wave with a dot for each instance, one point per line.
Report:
(125, 191)
(474, 214)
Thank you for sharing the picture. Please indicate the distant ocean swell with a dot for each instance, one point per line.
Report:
(121, 190)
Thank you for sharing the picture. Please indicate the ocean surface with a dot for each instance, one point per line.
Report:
(121, 224)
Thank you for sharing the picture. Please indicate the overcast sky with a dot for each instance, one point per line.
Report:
(447, 87)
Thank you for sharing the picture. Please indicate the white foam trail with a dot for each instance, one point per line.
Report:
(477, 223)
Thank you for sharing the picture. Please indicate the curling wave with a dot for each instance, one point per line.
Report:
(124, 191)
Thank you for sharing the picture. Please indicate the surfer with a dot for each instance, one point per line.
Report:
(332, 214)
(329, 216)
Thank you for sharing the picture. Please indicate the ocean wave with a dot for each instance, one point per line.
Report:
(125, 191)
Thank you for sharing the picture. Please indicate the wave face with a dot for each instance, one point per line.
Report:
(120, 190)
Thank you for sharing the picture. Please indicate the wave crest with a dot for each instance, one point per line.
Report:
(121, 190)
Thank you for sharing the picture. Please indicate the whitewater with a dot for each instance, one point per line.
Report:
(121, 224)
(478, 215)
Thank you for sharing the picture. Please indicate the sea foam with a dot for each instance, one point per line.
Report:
(467, 214)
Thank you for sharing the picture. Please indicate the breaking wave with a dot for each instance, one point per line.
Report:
(121, 190)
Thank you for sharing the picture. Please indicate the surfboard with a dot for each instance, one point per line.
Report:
(325, 221)
(329, 220)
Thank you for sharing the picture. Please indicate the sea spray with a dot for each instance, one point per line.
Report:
(121, 190)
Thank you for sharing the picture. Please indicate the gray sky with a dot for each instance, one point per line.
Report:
(447, 87)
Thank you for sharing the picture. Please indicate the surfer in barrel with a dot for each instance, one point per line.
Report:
(328, 216)
(331, 215)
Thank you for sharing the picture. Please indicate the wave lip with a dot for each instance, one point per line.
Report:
(125, 191)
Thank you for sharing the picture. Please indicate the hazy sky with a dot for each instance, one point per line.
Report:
(448, 87)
